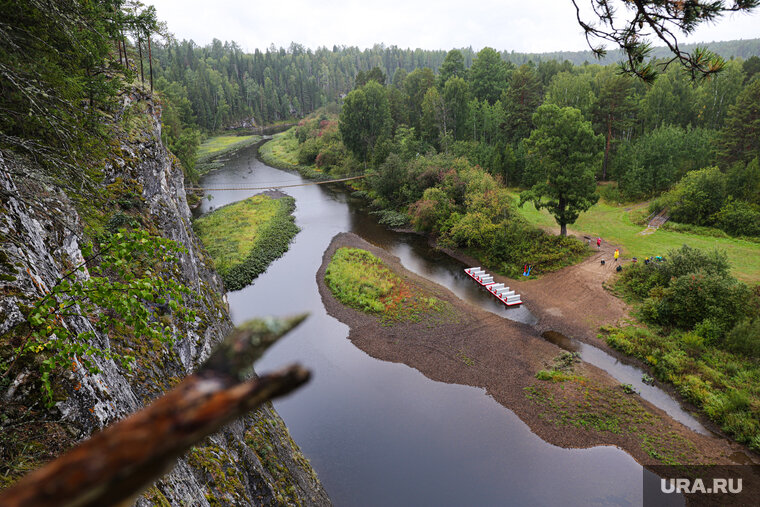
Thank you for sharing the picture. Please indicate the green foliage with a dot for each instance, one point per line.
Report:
(739, 139)
(744, 338)
(726, 385)
(320, 145)
(715, 95)
(697, 197)
(430, 212)
(392, 181)
(452, 66)
(416, 85)
(520, 100)
(374, 74)
(360, 280)
(613, 111)
(245, 237)
(60, 79)
(562, 152)
(692, 291)
(660, 157)
(738, 218)
(639, 279)
(391, 218)
(365, 120)
(281, 151)
(131, 281)
(488, 75)
(694, 298)
(670, 100)
(567, 89)
(743, 181)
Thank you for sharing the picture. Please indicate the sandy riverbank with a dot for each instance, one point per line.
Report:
(477, 348)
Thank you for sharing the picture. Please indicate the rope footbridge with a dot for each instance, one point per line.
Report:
(274, 187)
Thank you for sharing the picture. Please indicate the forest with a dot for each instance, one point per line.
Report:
(455, 151)
(454, 144)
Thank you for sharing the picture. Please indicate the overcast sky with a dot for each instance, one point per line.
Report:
(522, 26)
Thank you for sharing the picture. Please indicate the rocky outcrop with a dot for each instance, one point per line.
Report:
(251, 461)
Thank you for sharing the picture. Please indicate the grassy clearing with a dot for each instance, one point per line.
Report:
(245, 237)
(569, 399)
(620, 225)
(362, 281)
(282, 152)
(723, 384)
(214, 147)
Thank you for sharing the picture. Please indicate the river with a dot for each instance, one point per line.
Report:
(381, 433)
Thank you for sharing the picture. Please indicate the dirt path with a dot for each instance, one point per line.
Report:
(477, 348)
(573, 300)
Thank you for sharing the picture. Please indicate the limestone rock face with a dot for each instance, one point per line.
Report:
(252, 461)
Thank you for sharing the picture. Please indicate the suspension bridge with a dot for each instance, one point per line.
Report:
(273, 187)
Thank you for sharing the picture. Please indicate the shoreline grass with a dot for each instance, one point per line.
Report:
(724, 385)
(361, 281)
(282, 152)
(213, 148)
(243, 238)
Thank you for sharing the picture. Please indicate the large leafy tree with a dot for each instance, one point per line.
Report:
(656, 160)
(365, 120)
(740, 137)
(715, 95)
(416, 85)
(613, 111)
(567, 89)
(452, 66)
(456, 95)
(520, 101)
(562, 154)
(670, 100)
(488, 75)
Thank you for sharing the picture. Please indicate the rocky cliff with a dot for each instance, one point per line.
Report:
(42, 230)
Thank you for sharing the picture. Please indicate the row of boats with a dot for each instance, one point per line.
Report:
(501, 291)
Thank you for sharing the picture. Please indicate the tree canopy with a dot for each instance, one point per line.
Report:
(562, 154)
(365, 119)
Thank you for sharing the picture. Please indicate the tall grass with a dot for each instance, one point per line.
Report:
(362, 281)
(243, 238)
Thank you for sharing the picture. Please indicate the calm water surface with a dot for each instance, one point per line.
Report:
(381, 433)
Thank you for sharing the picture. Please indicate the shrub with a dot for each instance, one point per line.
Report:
(308, 151)
(744, 338)
(687, 260)
(738, 218)
(697, 197)
(697, 297)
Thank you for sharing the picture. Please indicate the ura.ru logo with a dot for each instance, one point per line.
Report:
(698, 486)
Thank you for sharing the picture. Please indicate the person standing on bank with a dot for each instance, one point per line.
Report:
(598, 243)
(617, 254)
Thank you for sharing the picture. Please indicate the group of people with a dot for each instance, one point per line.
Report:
(616, 255)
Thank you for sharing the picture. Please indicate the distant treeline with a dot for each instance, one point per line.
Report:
(727, 49)
(223, 84)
